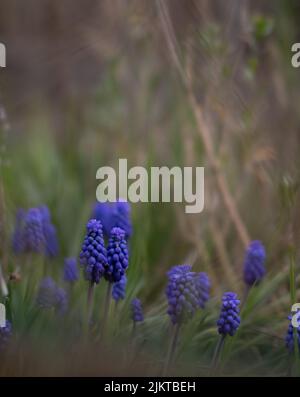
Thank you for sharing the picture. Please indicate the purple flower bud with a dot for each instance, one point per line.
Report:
(34, 232)
(137, 311)
(254, 269)
(117, 256)
(114, 215)
(93, 255)
(70, 270)
(181, 292)
(229, 319)
(34, 236)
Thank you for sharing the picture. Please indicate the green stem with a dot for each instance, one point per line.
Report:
(106, 309)
(172, 348)
(115, 317)
(245, 296)
(90, 299)
(217, 354)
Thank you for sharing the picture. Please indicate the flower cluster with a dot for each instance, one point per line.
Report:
(118, 290)
(137, 311)
(34, 237)
(51, 296)
(93, 252)
(117, 256)
(186, 290)
(203, 288)
(70, 270)
(34, 232)
(229, 319)
(254, 269)
(181, 293)
(111, 215)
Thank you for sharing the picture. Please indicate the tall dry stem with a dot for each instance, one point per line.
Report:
(202, 126)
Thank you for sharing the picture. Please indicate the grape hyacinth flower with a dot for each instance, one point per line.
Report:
(137, 311)
(93, 253)
(203, 288)
(229, 319)
(118, 289)
(179, 269)
(254, 269)
(117, 214)
(34, 232)
(183, 301)
(181, 293)
(5, 334)
(137, 316)
(117, 263)
(70, 270)
(93, 258)
(51, 296)
(228, 323)
(117, 256)
(34, 237)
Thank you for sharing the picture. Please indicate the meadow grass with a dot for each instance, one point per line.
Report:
(44, 176)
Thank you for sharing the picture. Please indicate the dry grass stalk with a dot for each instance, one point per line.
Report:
(202, 125)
